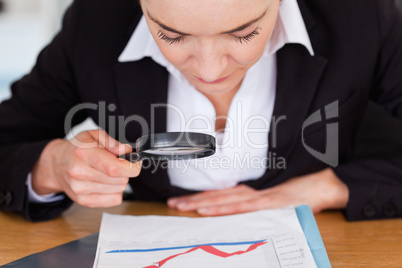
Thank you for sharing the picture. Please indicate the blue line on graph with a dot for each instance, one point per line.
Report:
(193, 246)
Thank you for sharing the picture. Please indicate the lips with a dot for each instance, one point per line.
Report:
(213, 82)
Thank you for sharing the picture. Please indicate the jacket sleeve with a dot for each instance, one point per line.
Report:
(375, 185)
(33, 116)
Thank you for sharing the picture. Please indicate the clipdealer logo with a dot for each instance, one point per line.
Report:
(331, 154)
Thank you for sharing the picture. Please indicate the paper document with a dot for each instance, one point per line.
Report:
(268, 238)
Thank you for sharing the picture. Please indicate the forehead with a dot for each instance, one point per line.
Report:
(204, 16)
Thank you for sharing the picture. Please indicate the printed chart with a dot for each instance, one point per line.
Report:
(259, 239)
(261, 253)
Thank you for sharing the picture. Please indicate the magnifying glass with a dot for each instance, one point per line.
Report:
(172, 146)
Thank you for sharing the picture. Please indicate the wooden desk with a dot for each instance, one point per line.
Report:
(349, 244)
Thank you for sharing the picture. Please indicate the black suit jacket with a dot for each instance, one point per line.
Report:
(358, 57)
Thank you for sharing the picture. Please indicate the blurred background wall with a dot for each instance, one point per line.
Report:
(26, 26)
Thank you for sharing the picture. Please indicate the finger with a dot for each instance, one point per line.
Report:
(112, 145)
(122, 149)
(99, 200)
(234, 208)
(86, 173)
(107, 163)
(219, 198)
(192, 202)
(79, 188)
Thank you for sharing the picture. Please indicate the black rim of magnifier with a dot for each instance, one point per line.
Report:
(204, 143)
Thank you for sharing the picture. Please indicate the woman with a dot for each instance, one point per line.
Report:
(244, 67)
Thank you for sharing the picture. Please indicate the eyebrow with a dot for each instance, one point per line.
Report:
(242, 27)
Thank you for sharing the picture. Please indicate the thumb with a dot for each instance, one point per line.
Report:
(115, 147)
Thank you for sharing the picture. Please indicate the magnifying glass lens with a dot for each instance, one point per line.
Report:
(174, 150)
(173, 146)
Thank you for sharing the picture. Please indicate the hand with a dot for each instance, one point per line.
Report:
(90, 175)
(320, 190)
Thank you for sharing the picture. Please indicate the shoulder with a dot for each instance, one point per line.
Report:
(372, 13)
(104, 13)
(357, 25)
(100, 28)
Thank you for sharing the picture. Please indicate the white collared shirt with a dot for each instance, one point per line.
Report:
(237, 158)
(242, 149)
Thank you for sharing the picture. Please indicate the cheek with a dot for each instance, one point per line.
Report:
(174, 54)
(239, 54)
(249, 53)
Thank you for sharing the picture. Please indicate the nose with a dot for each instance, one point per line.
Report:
(211, 60)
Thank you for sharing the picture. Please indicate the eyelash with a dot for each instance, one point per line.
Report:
(240, 39)
(248, 37)
(171, 41)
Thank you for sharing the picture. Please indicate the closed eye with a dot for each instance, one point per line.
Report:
(241, 39)
(247, 38)
(168, 39)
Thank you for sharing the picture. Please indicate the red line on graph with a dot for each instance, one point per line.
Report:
(210, 249)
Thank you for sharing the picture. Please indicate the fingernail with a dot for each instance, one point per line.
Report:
(172, 202)
(121, 149)
(127, 146)
(182, 205)
(203, 211)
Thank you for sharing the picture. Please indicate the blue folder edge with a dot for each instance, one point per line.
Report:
(313, 236)
(81, 252)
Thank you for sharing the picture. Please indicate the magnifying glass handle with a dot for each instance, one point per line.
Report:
(132, 157)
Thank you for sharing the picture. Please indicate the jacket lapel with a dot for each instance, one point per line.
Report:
(298, 77)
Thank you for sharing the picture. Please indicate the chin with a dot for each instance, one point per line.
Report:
(220, 88)
(213, 89)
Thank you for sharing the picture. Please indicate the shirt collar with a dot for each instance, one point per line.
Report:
(290, 28)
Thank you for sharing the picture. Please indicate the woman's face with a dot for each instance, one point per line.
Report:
(211, 42)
